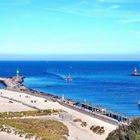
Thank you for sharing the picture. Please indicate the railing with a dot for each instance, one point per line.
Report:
(92, 114)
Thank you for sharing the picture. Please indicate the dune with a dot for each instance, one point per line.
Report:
(24, 101)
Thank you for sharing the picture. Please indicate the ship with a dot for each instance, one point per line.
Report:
(139, 103)
(69, 78)
(135, 72)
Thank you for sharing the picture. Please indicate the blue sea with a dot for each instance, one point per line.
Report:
(104, 83)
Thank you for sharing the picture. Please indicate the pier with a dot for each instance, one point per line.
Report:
(96, 112)
(15, 84)
(103, 111)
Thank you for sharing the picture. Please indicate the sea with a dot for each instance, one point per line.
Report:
(107, 84)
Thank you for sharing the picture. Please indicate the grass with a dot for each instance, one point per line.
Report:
(138, 137)
(28, 113)
(40, 128)
(45, 129)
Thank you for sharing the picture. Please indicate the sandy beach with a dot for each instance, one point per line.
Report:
(8, 105)
(27, 102)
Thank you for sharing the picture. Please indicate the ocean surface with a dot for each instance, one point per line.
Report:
(107, 84)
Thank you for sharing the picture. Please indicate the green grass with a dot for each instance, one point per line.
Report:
(46, 129)
(137, 137)
(29, 113)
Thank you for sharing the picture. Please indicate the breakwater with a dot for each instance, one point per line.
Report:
(15, 84)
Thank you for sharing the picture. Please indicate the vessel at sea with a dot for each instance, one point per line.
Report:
(69, 78)
(135, 72)
(139, 102)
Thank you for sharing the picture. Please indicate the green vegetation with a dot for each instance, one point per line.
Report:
(29, 113)
(40, 128)
(131, 132)
(83, 124)
(97, 129)
(77, 120)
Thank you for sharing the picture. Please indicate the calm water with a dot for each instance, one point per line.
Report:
(106, 84)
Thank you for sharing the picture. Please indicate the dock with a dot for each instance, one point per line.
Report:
(97, 112)
(117, 116)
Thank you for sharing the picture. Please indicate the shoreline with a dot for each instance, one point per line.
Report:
(15, 84)
(76, 130)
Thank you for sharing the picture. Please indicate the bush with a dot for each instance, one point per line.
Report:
(84, 124)
(131, 132)
(77, 120)
(131, 135)
(135, 125)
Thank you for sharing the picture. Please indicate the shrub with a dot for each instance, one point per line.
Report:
(77, 120)
(135, 125)
(131, 132)
(84, 124)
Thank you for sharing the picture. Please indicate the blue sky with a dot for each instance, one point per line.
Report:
(72, 27)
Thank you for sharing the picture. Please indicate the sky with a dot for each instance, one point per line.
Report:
(89, 28)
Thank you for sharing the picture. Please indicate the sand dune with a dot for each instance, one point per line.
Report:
(76, 131)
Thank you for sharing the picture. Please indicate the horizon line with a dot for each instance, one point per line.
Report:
(69, 57)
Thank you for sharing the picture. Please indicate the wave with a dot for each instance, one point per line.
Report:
(61, 77)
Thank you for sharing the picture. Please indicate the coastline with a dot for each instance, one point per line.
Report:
(30, 99)
(76, 131)
(15, 84)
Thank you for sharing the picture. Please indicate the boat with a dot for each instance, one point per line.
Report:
(135, 72)
(139, 103)
(69, 78)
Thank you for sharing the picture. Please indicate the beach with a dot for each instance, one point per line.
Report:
(69, 70)
(23, 101)
(7, 105)
(5, 136)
